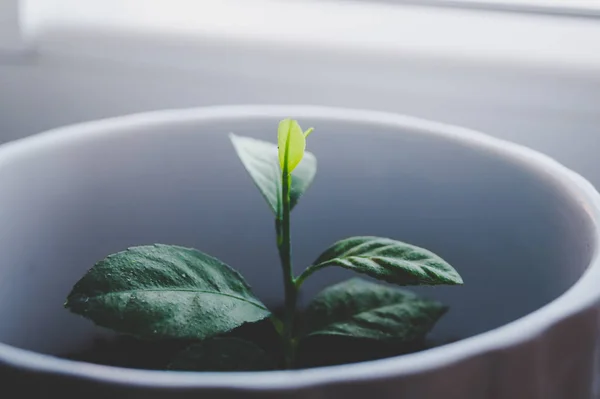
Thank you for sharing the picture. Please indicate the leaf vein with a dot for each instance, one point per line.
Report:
(131, 292)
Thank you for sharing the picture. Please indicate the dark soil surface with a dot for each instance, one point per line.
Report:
(130, 352)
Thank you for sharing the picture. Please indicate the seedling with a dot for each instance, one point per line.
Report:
(171, 293)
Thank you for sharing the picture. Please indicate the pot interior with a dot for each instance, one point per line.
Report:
(513, 232)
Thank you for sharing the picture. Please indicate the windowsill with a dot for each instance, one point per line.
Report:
(103, 28)
(579, 8)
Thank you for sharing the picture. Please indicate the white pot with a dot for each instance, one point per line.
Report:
(521, 229)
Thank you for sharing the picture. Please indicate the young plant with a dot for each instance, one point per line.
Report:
(166, 292)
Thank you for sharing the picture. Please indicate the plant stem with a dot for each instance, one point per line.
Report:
(307, 272)
(284, 245)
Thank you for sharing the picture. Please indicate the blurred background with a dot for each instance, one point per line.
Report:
(523, 70)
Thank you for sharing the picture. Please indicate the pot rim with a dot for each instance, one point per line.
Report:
(578, 298)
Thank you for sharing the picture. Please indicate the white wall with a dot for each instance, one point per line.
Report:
(76, 72)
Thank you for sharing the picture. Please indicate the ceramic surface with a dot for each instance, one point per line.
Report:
(521, 229)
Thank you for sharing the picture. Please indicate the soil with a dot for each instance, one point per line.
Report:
(130, 352)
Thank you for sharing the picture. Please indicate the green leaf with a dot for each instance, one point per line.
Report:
(361, 309)
(290, 140)
(161, 291)
(222, 354)
(386, 259)
(260, 160)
